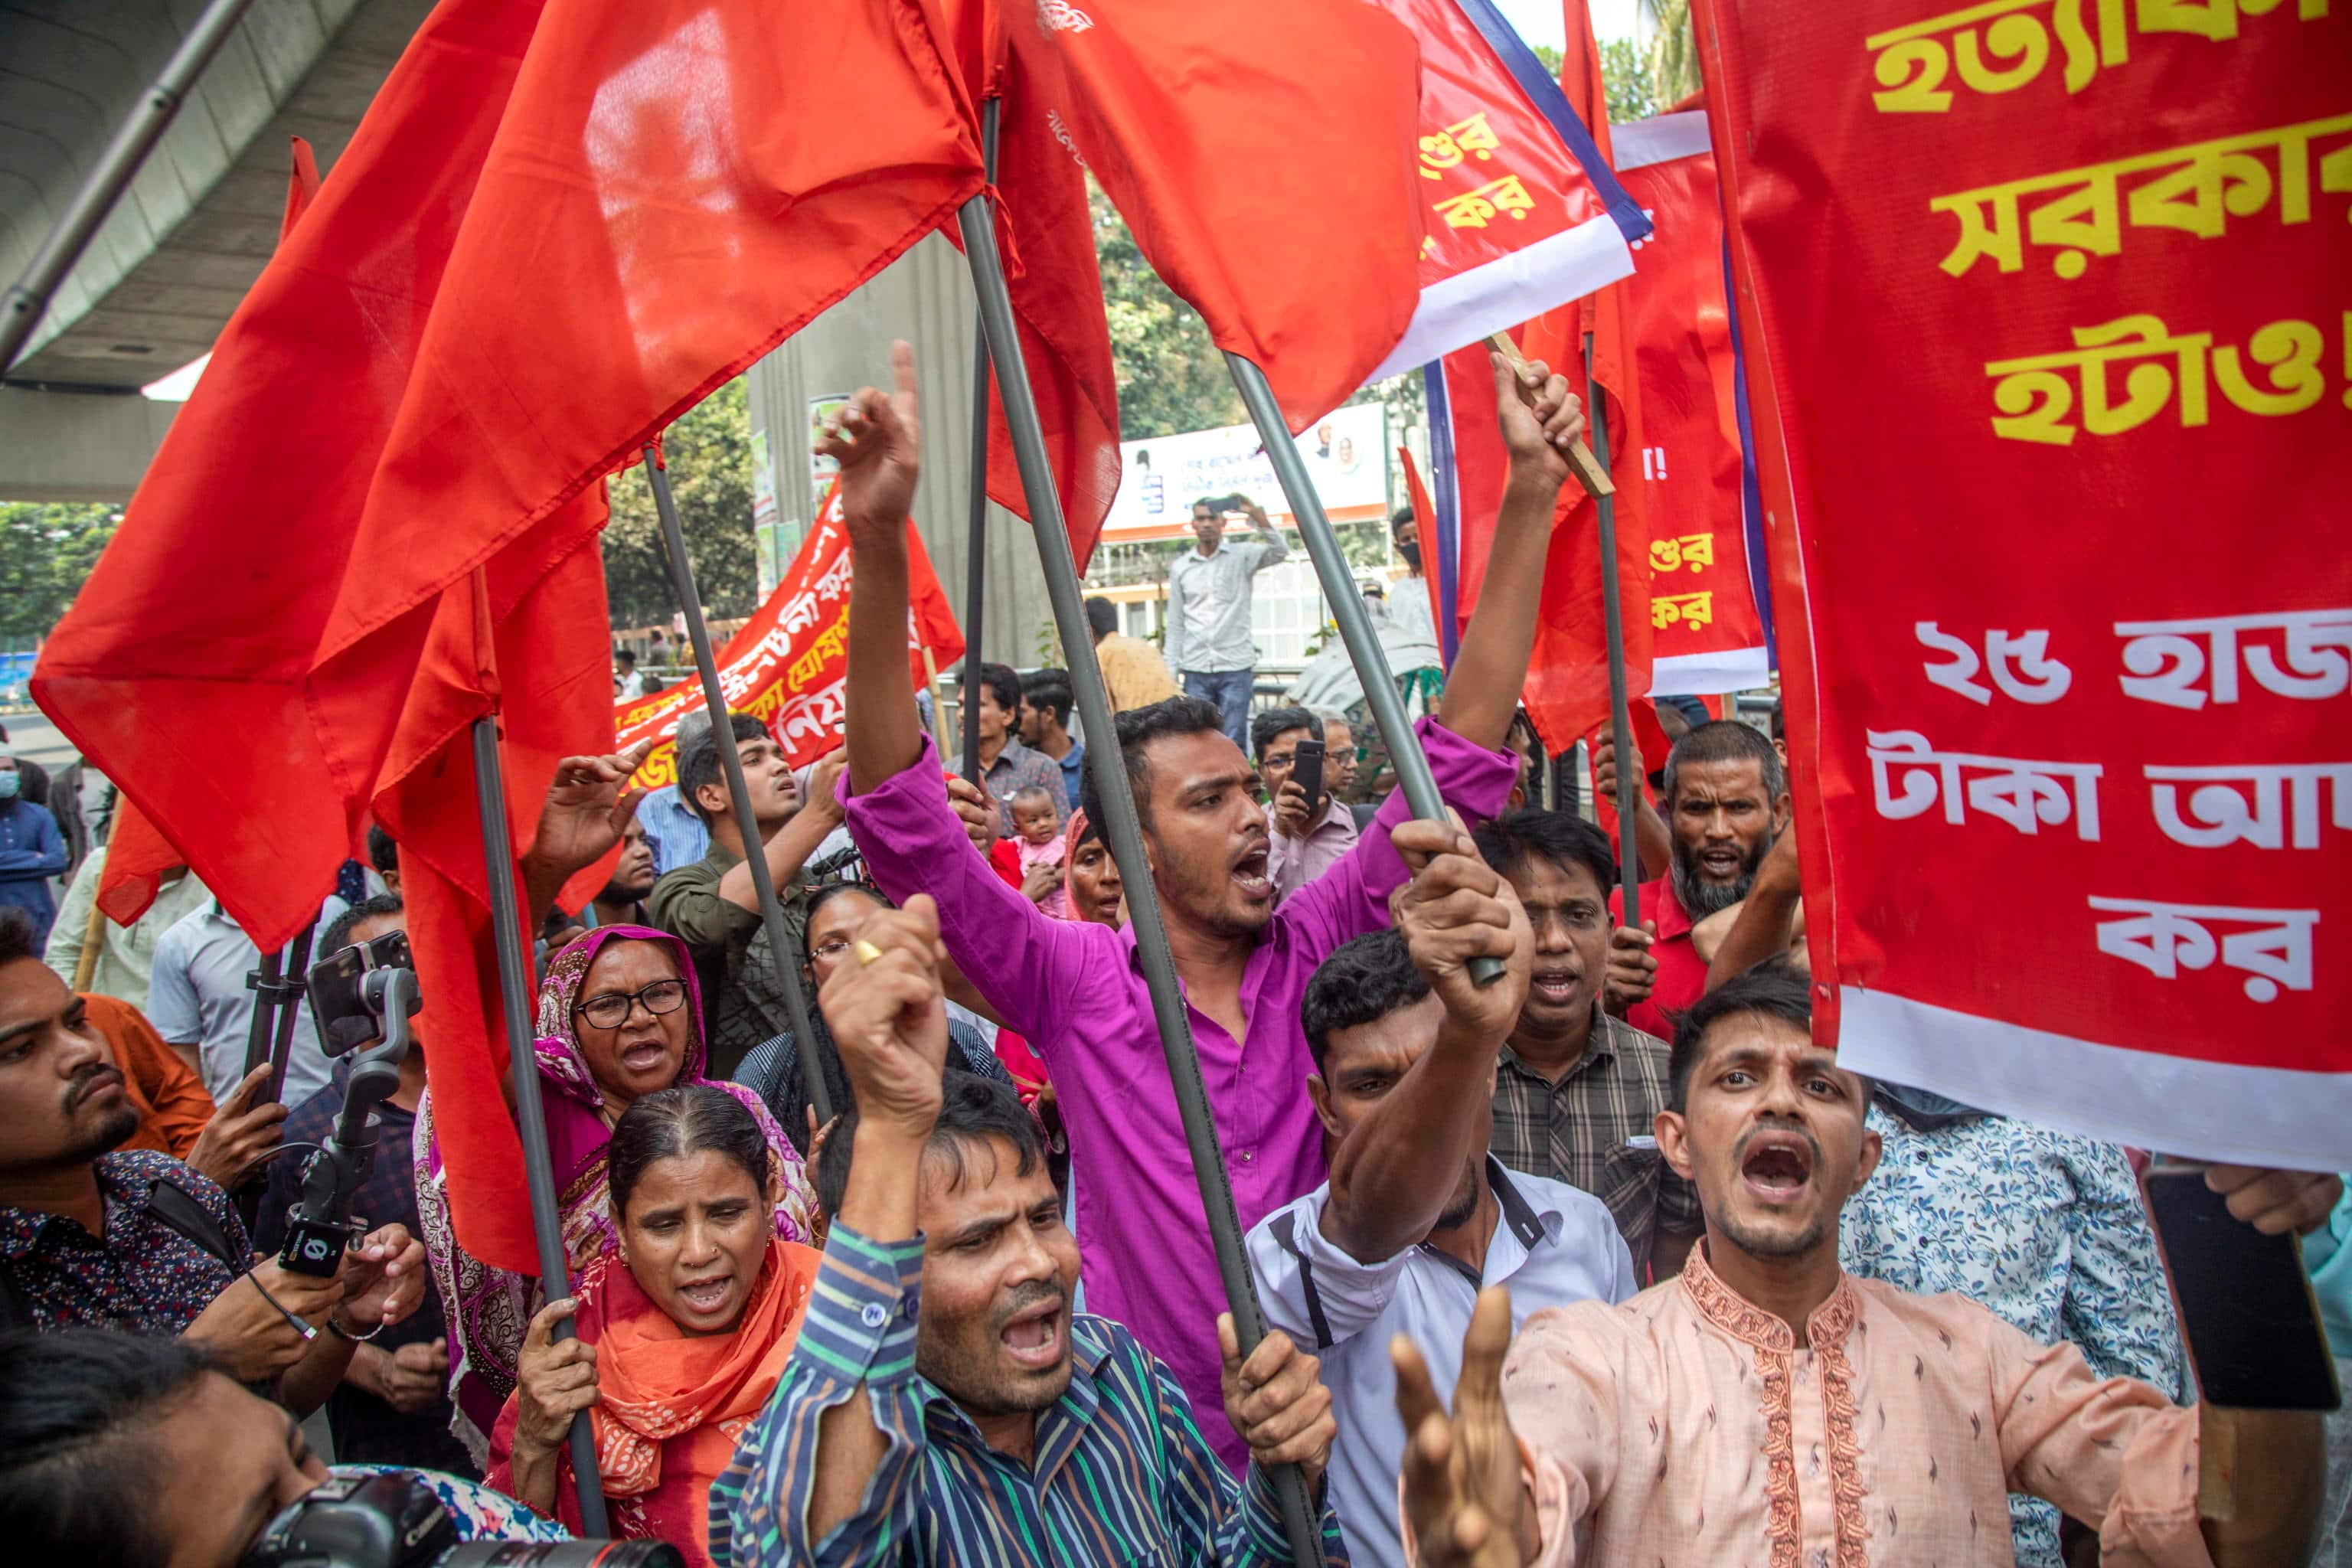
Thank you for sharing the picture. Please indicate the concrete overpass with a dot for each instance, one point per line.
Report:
(181, 248)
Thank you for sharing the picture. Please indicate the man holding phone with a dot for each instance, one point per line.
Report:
(1766, 1399)
(1210, 588)
(1310, 829)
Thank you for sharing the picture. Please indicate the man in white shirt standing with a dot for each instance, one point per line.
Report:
(1418, 1217)
(1209, 591)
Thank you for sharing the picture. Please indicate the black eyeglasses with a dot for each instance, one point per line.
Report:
(611, 1010)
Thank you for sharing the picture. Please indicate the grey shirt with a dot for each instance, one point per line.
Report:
(197, 995)
(1209, 604)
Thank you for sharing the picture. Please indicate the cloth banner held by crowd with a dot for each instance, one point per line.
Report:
(395, 460)
(1707, 545)
(786, 664)
(2061, 362)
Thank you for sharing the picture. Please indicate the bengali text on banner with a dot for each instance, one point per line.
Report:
(787, 664)
(2052, 308)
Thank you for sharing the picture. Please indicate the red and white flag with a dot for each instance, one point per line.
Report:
(2060, 362)
(1707, 629)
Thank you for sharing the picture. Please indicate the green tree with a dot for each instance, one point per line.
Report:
(1171, 379)
(47, 552)
(1672, 63)
(1625, 78)
(708, 453)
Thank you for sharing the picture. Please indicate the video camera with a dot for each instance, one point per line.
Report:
(363, 998)
(391, 1519)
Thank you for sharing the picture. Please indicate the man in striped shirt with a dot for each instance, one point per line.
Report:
(943, 1404)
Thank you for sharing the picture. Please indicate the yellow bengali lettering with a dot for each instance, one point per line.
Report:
(1682, 609)
(1696, 551)
(2036, 396)
(2003, 44)
(2196, 189)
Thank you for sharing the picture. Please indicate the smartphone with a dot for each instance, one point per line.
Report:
(342, 1018)
(2246, 1307)
(1306, 768)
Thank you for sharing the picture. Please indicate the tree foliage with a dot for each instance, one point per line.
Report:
(709, 453)
(47, 552)
(1171, 379)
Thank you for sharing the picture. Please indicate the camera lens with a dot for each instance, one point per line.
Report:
(564, 1554)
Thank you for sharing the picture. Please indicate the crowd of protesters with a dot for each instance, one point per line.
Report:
(1601, 1262)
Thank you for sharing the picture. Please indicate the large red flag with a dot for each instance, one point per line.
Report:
(137, 856)
(2023, 628)
(1260, 155)
(558, 226)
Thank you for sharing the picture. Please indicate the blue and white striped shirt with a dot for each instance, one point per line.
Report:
(1121, 1474)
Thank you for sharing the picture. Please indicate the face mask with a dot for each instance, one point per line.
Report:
(1411, 551)
(9, 783)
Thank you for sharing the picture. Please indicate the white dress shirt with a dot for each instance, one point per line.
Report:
(1553, 1246)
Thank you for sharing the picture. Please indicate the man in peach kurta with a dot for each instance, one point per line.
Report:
(1767, 1408)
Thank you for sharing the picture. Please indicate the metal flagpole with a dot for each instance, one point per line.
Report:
(29, 298)
(1620, 716)
(975, 568)
(262, 981)
(522, 1071)
(1419, 785)
(755, 857)
(297, 973)
(1121, 828)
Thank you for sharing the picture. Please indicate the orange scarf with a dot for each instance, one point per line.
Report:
(673, 1405)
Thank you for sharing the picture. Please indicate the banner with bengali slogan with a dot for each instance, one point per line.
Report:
(2047, 306)
(787, 664)
(1707, 635)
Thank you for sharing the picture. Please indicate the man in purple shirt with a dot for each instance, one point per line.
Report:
(1075, 989)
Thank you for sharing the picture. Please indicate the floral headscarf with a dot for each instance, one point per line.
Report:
(489, 1308)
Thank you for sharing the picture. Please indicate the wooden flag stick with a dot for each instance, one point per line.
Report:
(1590, 471)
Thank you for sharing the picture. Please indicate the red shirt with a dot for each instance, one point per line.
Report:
(1682, 973)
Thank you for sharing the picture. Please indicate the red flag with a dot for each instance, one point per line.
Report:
(136, 855)
(1707, 627)
(787, 663)
(2143, 728)
(1259, 153)
(1520, 212)
(1568, 682)
(1056, 283)
(558, 226)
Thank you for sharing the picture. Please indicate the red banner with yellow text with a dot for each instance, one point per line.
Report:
(2054, 303)
(786, 666)
(1707, 633)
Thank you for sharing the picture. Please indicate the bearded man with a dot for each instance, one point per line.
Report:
(1726, 799)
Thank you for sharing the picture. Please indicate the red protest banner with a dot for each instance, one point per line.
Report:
(2052, 310)
(786, 665)
(1706, 634)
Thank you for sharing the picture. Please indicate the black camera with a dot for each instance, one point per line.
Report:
(346, 1002)
(363, 998)
(390, 1520)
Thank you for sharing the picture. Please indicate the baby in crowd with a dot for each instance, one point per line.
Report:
(1037, 825)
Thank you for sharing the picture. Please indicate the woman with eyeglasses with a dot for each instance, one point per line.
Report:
(682, 1333)
(772, 1070)
(619, 1018)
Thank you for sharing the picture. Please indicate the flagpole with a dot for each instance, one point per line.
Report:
(747, 822)
(29, 298)
(975, 566)
(1620, 716)
(1363, 645)
(522, 1072)
(1123, 831)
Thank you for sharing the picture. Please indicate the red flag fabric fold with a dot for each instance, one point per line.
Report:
(1238, 140)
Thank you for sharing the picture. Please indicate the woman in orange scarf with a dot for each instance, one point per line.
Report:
(682, 1333)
